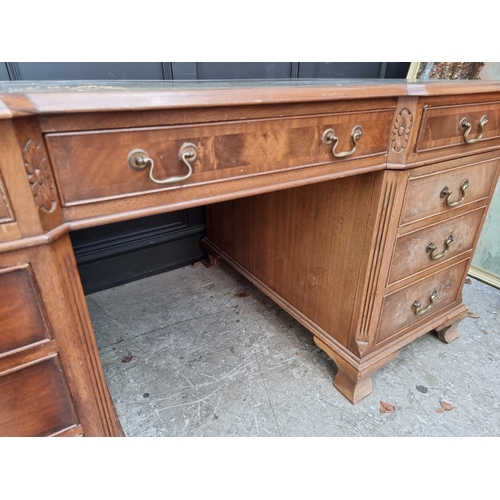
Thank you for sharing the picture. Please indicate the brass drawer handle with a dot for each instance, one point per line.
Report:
(418, 309)
(431, 248)
(138, 159)
(446, 192)
(330, 139)
(466, 126)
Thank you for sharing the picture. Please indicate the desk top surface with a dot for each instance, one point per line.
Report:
(47, 97)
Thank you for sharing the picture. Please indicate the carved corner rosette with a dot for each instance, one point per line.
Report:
(401, 130)
(39, 175)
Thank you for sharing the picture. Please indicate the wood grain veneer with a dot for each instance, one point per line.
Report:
(36, 400)
(424, 199)
(88, 171)
(411, 254)
(440, 125)
(397, 311)
(21, 312)
(274, 237)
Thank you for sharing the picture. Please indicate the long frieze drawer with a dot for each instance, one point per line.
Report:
(117, 163)
(442, 191)
(422, 299)
(432, 245)
(22, 317)
(35, 401)
(473, 125)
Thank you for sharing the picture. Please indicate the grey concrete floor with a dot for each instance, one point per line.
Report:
(202, 352)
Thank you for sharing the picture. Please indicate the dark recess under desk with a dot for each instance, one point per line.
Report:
(118, 253)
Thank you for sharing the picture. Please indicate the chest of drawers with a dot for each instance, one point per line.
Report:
(356, 206)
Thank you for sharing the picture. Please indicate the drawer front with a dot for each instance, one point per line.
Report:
(448, 126)
(425, 248)
(399, 310)
(22, 317)
(432, 194)
(93, 165)
(35, 401)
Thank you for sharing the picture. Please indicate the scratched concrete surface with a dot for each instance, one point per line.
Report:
(202, 352)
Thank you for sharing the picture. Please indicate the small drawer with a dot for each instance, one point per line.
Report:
(438, 192)
(475, 126)
(95, 165)
(21, 311)
(35, 401)
(432, 245)
(421, 299)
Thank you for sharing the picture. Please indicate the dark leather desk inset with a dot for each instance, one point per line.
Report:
(355, 205)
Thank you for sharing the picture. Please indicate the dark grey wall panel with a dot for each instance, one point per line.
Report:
(3, 72)
(353, 69)
(193, 70)
(167, 70)
(260, 70)
(233, 70)
(340, 70)
(90, 71)
(397, 69)
(184, 71)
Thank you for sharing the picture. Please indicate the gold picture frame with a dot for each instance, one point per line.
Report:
(454, 71)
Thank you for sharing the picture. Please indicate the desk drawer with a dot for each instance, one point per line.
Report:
(448, 126)
(433, 193)
(94, 165)
(22, 317)
(35, 400)
(399, 310)
(432, 245)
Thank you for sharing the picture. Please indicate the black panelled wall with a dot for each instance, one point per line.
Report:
(117, 253)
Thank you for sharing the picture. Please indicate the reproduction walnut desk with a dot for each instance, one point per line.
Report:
(355, 205)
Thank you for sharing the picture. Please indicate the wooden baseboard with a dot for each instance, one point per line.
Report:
(485, 276)
(118, 253)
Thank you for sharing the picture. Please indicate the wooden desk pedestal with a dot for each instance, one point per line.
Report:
(356, 206)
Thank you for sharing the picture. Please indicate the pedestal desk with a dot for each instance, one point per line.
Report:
(355, 205)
